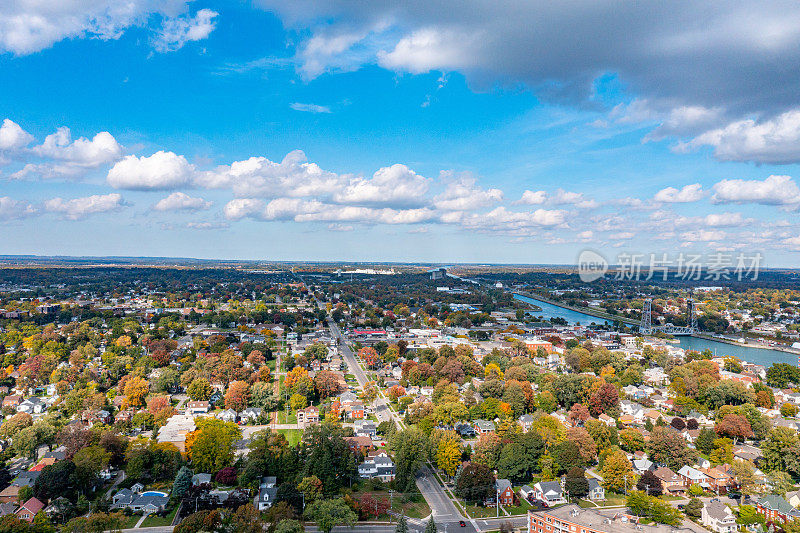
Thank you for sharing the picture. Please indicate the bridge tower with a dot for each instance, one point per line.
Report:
(646, 325)
(692, 315)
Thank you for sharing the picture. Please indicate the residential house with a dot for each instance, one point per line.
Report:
(640, 466)
(267, 492)
(793, 498)
(746, 452)
(691, 476)
(483, 426)
(527, 492)
(32, 406)
(125, 415)
(122, 498)
(197, 407)
(265, 498)
(29, 509)
(150, 502)
(361, 445)
(308, 416)
(10, 494)
(465, 430)
(354, 410)
(228, 415)
(7, 508)
(377, 465)
(607, 420)
(12, 401)
(720, 479)
(526, 421)
(201, 479)
(251, 414)
(504, 491)
(774, 508)
(365, 428)
(596, 490)
(550, 492)
(670, 481)
(718, 517)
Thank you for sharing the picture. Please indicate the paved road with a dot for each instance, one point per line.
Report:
(444, 511)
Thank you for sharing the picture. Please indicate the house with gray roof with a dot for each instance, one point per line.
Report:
(550, 492)
(265, 498)
(718, 517)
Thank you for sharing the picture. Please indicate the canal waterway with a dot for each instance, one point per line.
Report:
(759, 356)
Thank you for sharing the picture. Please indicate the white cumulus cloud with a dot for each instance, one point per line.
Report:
(774, 190)
(79, 208)
(689, 193)
(771, 141)
(178, 201)
(463, 194)
(160, 171)
(13, 137)
(394, 185)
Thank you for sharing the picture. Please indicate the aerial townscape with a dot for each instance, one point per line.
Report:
(416, 266)
(478, 398)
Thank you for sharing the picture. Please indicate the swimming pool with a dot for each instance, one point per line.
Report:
(154, 493)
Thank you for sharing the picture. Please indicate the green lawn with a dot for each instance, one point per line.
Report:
(284, 419)
(476, 511)
(522, 508)
(292, 435)
(153, 520)
(415, 506)
(612, 500)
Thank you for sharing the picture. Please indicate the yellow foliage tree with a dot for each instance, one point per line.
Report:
(136, 390)
(123, 341)
(448, 455)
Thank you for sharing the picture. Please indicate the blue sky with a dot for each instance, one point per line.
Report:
(507, 132)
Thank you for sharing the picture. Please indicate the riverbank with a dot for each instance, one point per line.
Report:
(746, 344)
(585, 310)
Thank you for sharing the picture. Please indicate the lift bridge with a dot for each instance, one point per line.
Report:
(647, 328)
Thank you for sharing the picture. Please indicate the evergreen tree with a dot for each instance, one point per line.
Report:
(183, 482)
(431, 527)
(402, 525)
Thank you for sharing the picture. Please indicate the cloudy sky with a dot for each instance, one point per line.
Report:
(519, 132)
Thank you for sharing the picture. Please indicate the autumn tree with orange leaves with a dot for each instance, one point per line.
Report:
(369, 356)
(237, 396)
(136, 390)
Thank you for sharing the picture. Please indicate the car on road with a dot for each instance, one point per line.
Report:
(462, 523)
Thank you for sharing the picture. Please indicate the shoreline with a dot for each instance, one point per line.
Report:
(746, 344)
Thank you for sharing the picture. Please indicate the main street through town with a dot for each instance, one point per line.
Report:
(444, 511)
